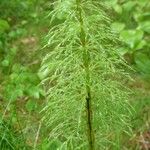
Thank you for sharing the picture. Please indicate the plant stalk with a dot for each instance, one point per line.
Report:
(86, 62)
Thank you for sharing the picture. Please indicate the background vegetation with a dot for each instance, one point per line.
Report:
(23, 26)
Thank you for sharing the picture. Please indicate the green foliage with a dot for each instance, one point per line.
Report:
(142, 111)
(17, 8)
(10, 139)
(53, 144)
(82, 73)
(21, 82)
(133, 25)
(17, 80)
(4, 26)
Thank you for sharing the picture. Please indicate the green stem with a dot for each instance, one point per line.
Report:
(86, 61)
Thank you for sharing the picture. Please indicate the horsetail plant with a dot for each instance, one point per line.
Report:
(87, 104)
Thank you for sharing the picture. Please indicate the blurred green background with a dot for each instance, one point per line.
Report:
(23, 26)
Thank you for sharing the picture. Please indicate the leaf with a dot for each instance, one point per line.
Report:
(145, 26)
(140, 45)
(5, 63)
(128, 6)
(52, 145)
(123, 50)
(118, 8)
(31, 105)
(111, 2)
(117, 26)
(13, 94)
(4, 25)
(55, 144)
(19, 92)
(143, 63)
(44, 72)
(34, 91)
(132, 37)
